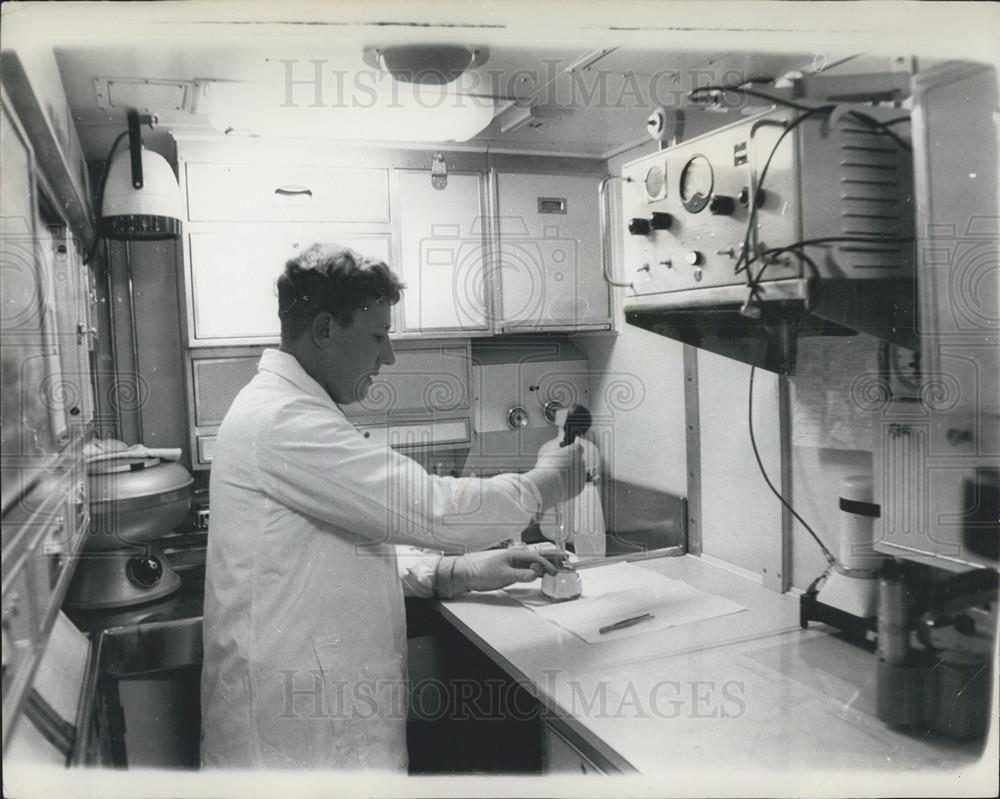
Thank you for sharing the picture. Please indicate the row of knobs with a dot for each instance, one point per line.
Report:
(719, 205)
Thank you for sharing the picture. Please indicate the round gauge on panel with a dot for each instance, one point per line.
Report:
(656, 184)
(697, 180)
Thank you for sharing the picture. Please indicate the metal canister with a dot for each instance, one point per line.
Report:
(893, 629)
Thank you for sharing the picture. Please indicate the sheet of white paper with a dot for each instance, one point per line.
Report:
(672, 603)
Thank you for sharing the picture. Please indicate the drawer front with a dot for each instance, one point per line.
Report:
(421, 434)
(427, 380)
(282, 193)
(401, 436)
(216, 382)
(233, 276)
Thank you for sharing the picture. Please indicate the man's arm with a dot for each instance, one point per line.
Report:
(318, 464)
(427, 574)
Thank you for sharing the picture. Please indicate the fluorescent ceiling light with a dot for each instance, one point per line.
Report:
(349, 110)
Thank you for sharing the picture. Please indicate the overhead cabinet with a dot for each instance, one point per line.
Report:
(443, 243)
(481, 254)
(549, 264)
(234, 272)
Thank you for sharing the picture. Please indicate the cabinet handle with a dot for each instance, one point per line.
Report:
(293, 191)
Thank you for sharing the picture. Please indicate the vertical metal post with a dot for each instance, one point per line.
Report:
(780, 578)
(692, 426)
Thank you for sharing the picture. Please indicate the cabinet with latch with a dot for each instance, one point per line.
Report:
(549, 253)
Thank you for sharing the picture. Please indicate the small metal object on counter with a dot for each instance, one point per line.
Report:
(565, 583)
(621, 625)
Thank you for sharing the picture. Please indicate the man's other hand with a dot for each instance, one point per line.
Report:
(498, 568)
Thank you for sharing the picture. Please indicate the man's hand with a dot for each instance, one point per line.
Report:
(560, 472)
(487, 571)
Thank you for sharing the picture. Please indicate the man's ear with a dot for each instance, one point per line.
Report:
(321, 329)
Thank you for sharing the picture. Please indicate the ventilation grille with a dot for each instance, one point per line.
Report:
(876, 193)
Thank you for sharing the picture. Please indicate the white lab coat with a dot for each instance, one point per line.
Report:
(304, 628)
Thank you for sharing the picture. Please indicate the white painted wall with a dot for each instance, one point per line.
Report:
(637, 386)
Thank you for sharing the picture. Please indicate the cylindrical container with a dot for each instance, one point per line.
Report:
(961, 685)
(893, 630)
(857, 524)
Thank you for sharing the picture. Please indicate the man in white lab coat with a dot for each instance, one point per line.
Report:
(304, 627)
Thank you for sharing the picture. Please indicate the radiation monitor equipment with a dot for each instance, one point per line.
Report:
(782, 223)
(846, 597)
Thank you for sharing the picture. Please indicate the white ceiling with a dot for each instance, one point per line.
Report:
(606, 103)
(634, 55)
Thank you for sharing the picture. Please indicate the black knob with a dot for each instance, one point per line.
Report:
(721, 205)
(744, 197)
(144, 571)
(638, 227)
(661, 220)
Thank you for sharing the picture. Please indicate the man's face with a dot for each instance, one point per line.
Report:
(354, 354)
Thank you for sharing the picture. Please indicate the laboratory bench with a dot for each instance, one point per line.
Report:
(734, 694)
(498, 688)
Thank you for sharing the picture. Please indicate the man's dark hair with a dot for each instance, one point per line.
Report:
(332, 278)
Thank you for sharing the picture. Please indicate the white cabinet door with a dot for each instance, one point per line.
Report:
(286, 193)
(442, 253)
(550, 257)
(232, 274)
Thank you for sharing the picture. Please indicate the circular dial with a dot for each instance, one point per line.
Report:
(697, 180)
(654, 183)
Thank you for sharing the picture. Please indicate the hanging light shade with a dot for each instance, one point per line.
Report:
(141, 200)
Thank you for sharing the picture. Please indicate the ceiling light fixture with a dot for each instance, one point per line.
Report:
(387, 112)
(426, 64)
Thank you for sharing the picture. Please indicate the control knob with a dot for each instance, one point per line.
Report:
(638, 226)
(144, 571)
(661, 220)
(744, 197)
(693, 257)
(721, 205)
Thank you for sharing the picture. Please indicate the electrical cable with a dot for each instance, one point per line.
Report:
(760, 465)
(866, 118)
(757, 186)
(871, 121)
(751, 93)
(92, 250)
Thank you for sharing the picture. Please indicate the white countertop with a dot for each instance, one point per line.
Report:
(737, 693)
